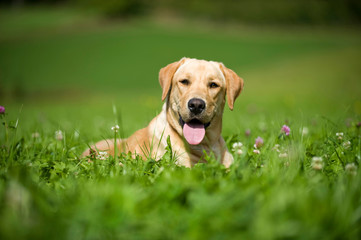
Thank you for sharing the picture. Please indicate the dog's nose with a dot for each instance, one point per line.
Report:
(196, 105)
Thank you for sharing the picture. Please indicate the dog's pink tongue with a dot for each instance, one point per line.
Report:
(194, 133)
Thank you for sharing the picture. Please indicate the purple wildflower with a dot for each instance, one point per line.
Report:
(247, 132)
(2, 110)
(286, 129)
(258, 143)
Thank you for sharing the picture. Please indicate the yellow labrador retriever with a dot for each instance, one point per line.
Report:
(195, 92)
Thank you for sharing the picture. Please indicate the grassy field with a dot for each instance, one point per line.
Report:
(67, 71)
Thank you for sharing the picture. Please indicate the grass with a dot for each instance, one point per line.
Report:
(70, 80)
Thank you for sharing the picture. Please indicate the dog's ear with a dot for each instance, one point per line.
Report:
(234, 85)
(166, 75)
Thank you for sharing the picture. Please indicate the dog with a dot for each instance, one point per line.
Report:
(195, 92)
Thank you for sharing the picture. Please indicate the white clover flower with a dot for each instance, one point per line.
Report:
(237, 145)
(115, 128)
(347, 145)
(317, 163)
(256, 151)
(239, 152)
(35, 135)
(283, 155)
(237, 148)
(59, 135)
(339, 135)
(103, 155)
(305, 131)
(276, 148)
(351, 169)
(317, 159)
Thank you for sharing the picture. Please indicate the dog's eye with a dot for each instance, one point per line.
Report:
(213, 85)
(184, 81)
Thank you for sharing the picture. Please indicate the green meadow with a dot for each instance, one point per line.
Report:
(61, 70)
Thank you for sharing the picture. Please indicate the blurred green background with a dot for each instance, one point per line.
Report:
(67, 63)
(64, 65)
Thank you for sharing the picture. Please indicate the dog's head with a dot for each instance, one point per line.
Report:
(196, 91)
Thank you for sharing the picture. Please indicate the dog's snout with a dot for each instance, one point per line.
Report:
(196, 105)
